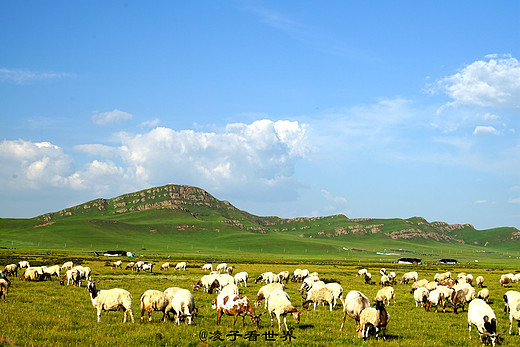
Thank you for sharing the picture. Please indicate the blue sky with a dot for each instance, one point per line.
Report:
(380, 109)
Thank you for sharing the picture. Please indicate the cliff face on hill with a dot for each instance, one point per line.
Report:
(198, 204)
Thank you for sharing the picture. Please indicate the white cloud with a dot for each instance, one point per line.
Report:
(514, 200)
(481, 202)
(150, 123)
(21, 76)
(111, 117)
(493, 82)
(490, 117)
(485, 130)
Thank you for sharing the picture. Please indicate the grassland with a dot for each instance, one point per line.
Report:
(45, 313)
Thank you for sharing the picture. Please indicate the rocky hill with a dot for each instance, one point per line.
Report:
(196, 204)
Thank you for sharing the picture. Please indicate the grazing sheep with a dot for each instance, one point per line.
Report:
(504, 279)
(267, 277)
(355, 302)
(110, 300)
(230, 269)
(392, 276)
(483, 318)
(483, 294)
(147, 267)
(284, 276)
(421, 296)
(234, 305)
(409, 276)
(386, 293)
(181, 266)
(435, 298)
(317, 296)
(336, 289)
(480, 281)
(130, 265)
(165, 266)
(514, 314)
(462, 294)
(382, 271)
(241, 278)
(154, 300)
(24, 264)
(4, 287)
(280, 305)
(67, 265)
(308, 283)
(419, 284)
(224, 280)
(509, 297)
(299, 275)
(469, 278)
(11, 270)
(71, 275)
(172, 291)
(31, 274)
(361, 272)
(207, 267)
(84, 273)
(385, 281)
(52, 270)
(442, 277)
(516, 278)
(183, 304)
(116, 264)
(205, 282)
(368, 278)
(138, 266)
(374, 317)
(222, 267)
(265, 291)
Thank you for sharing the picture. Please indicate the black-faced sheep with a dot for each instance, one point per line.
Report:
(110, 300)
(509, 297)
(375, 317)
(483, 318)
(280, 305)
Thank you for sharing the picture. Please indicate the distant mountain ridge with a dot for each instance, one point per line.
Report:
(198, 205)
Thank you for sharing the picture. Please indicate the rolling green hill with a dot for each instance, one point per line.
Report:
(188, 220)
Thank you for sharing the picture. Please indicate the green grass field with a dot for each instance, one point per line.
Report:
(45, 313)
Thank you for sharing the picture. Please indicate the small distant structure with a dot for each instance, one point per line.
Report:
(416, 261)
(448, 261)
(116, 254)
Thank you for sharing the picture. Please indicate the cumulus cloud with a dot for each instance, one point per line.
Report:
(150, 123)
(485, 130)
(494, 82)
(21, 76)
(111, 117)
(33, 165)
(255, 161)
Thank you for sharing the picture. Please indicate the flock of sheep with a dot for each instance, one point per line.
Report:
(442, 291)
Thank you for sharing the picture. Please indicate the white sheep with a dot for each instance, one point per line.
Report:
(222, 267)
(483, 294)
(67, 265)
(317, 296)
(361, 272)
(421, 296)
(509, 297)
(172, 291)
(268, 277)
(52, 270)
(241, 278)
(116, 264)
(355, 302)
(516, 278)
(442, 277)
(265, 291)
(207, 267)
(375, 317)
(386, 293)
(368, 278)
(230, 269)
(130, 265)
(382, 271)
(482, 316)
(154, 300)
(165, 266)
(337, 291)
(71, 275)
(11, 270)
(409, 276)
(24, 264)
(183, 304)
(514, 314)
(110, 300)
(385, 281)
(392, 275)
(31, 274)
(435, 298)
(205, 282)
(181, 266)
(284, 276)
(84, 273)
(418, 284)
(480, 281)
(280, 305)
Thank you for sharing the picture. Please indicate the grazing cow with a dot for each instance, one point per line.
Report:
(234, 305)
